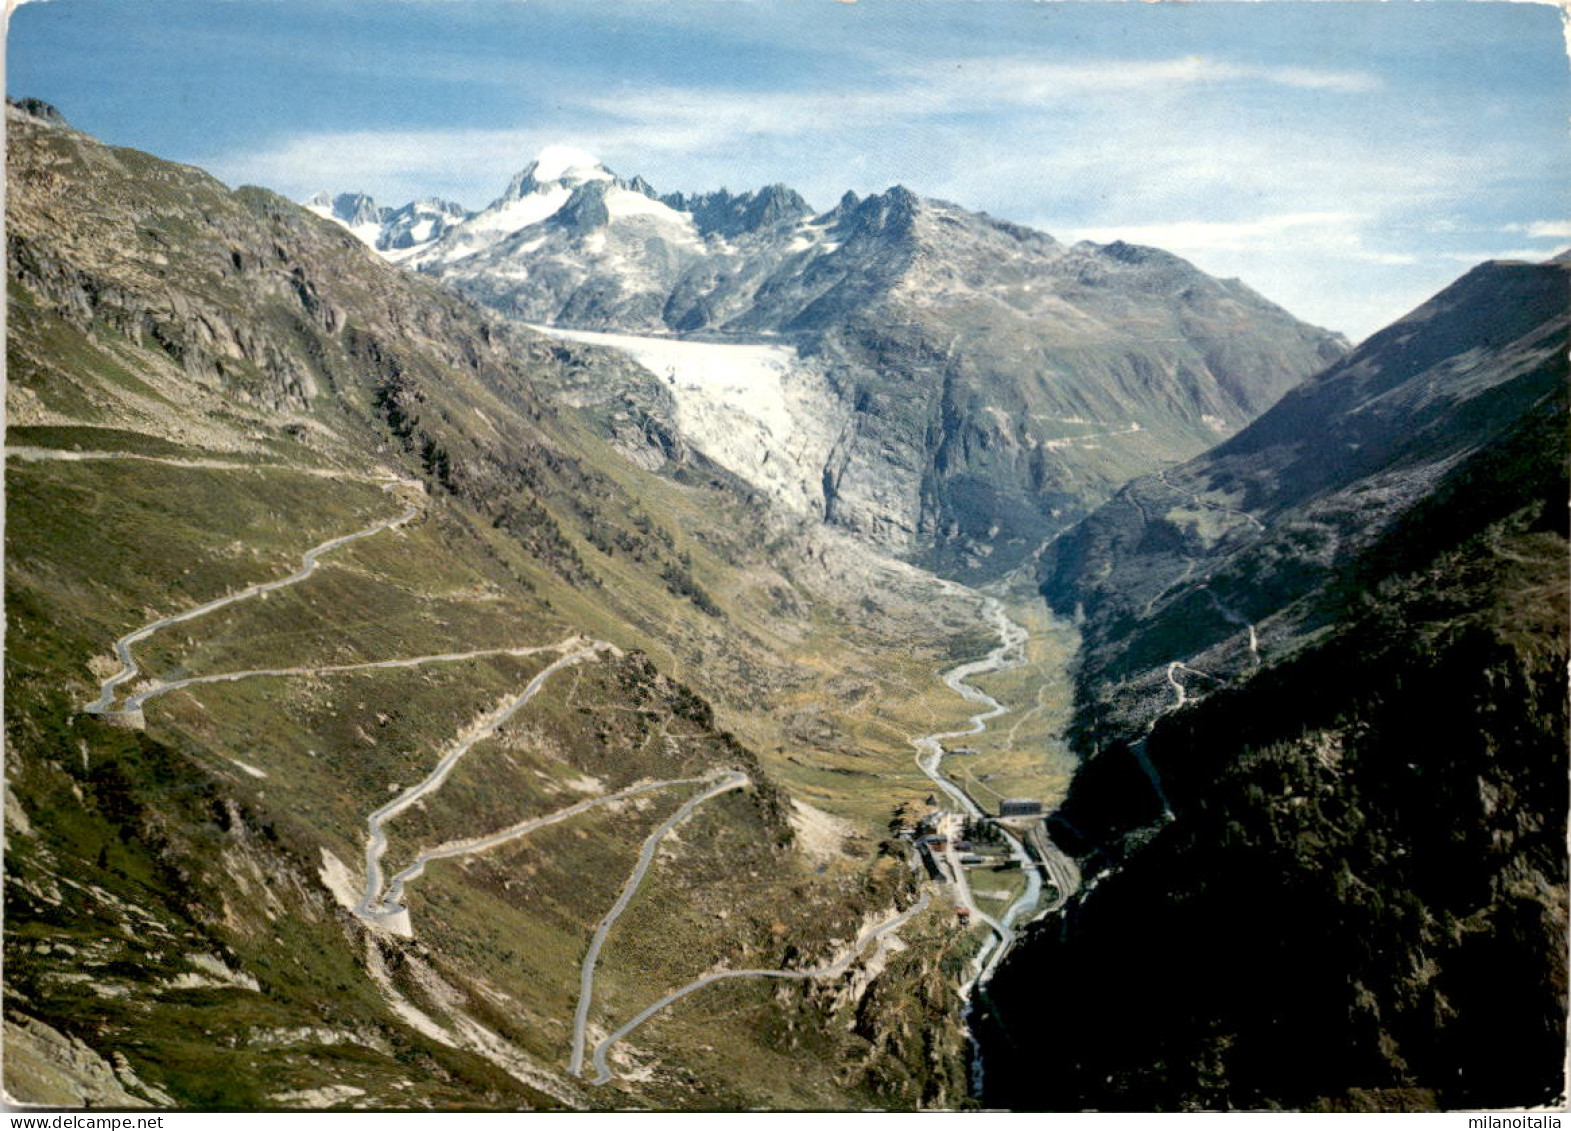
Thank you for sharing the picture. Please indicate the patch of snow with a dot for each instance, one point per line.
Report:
(563, 162)
(518, 214)
(367, 234)
(399, 254)
(621, 204)
(489, 227)
(252, 770)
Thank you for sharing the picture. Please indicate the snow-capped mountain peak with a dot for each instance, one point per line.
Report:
(394, 232)
(570, 196)
(570, 164)
(355, 211)
(556, 167)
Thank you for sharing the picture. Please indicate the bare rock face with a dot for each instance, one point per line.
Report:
(39, 109)
(48, 1067)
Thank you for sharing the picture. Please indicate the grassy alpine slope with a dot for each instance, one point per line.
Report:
(206, 384)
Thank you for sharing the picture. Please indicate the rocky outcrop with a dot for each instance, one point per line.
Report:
(44, 1066)
(39, 109)
(731, 214)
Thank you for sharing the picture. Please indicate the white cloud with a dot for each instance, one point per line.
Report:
(1528, 254)
(1543, 229)
(686, 117)
(1008, 79)
(392, 165)
(1341, 235)
(1322, 228)
(955, 86)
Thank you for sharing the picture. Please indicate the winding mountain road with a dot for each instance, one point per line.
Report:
(382, 902)
(1245, 515)
(135, 702)
(374, 906)
(104, 704)
(840, 966)
(1178, 688)
(29, 454)
(392, 899)
(729, 780)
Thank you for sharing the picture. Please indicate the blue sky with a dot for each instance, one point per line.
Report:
(1345, 159)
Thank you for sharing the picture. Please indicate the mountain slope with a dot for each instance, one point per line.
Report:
(1258, 531)
(1361, 899)
(376, 561)
(1019, 382)
(1344, 818)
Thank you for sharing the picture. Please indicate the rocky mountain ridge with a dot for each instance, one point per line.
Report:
(395, 232)
(995, 383)
(1237, 556)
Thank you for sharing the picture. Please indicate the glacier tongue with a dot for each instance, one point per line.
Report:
(759, 411)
